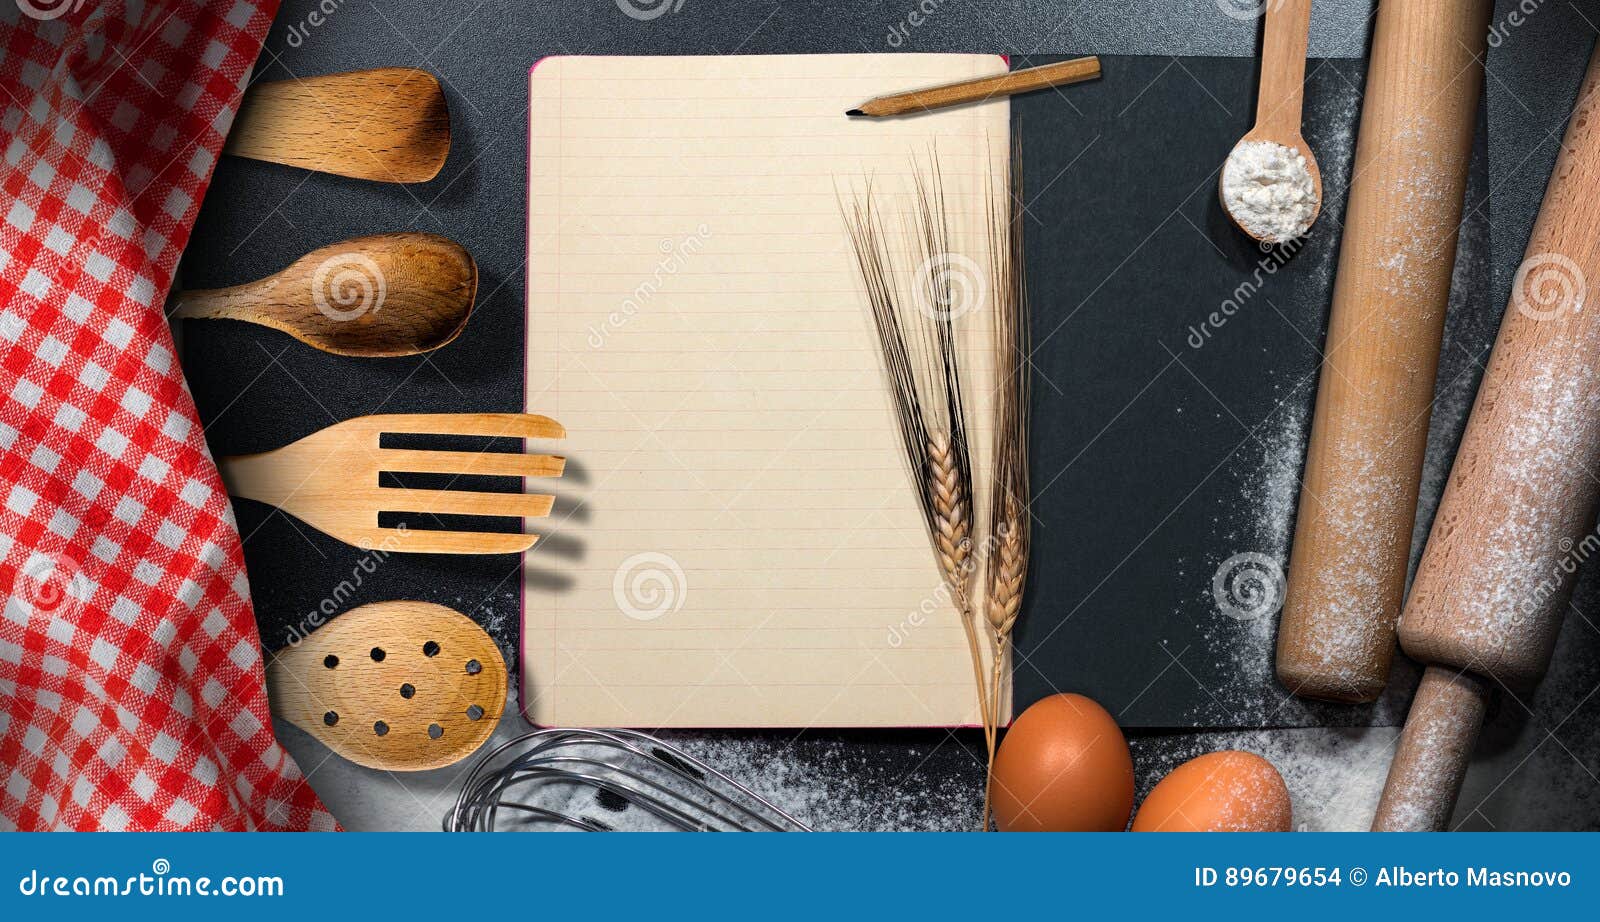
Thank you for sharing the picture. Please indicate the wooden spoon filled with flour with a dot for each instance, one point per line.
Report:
(1271, 186)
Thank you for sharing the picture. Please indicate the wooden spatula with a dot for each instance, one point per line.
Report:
(329, 480)
(380, 295)
(390, 124)
(400, 686)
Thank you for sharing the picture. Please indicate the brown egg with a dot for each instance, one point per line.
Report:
(1226, 791)
(1063, 767)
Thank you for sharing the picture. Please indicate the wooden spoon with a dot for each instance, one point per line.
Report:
(383, 295)
(1281, 96)
(389, 124)
(399, 686)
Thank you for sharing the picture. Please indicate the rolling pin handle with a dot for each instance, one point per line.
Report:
(1431, 760)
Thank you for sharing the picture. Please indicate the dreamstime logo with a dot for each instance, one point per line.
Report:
(1547, 285)
(315, 19)
(1515, 18)
(648, 586)
(160, 881)
(335, 601)
(51, 585)
(674, 256)
(914, 19)
(1249, 586)
(1555, 582)
(348, 285)
(1274, 257)
(953, 286)
(645, 10)
(49, 9)
(941, 597)
(1246, 10)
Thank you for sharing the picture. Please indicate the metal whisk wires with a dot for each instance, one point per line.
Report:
(632, 769)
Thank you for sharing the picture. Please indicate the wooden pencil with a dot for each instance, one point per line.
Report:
(955, 94)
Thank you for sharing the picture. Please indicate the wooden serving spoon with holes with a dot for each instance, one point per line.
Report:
(398, 686)
(381, 295)
(390, 124)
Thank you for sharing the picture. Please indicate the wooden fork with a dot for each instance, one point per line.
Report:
(329, 480)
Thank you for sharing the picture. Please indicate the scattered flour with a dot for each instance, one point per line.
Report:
(1267, 478)
(1267, 475)
(1502, 607)
(1269, 191)
(1334, 776)
(834, 785)
(1469, 330)
(1360, 597)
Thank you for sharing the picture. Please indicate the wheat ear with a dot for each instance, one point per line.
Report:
(952, 516)
(952, 542)
(920, 356)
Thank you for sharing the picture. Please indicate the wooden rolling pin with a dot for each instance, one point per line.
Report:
(1518, 512)
(1370, 425)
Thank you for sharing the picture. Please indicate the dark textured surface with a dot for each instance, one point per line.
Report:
(1536, 67)
(1176, 363)
(1151, 439)
(258, 389)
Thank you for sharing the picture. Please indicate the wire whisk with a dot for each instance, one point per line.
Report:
(623, 769)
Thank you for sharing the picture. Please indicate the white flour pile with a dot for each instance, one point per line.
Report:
(1268, 190)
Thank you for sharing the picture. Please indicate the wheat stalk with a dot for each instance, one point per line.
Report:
(919, 349)
(1009, 517)
(919, 354)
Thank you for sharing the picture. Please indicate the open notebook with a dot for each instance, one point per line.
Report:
(748, 548)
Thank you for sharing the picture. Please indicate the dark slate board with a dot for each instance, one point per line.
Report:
(1537, 67)
(1149, 450)
(1168, 442)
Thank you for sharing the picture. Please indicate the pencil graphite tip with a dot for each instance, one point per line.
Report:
(854, 113)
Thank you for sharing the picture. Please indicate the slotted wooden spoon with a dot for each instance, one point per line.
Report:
(399, 686)
(329, 480)
(390, 124)
(380, 295)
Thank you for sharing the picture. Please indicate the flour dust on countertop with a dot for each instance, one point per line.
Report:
(831, 782)
(1471, 324)
(1266, 480)
(1251, 543)
(1334, 776)
(1261, 482)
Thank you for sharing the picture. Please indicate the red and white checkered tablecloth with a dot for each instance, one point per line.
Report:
(131, 691)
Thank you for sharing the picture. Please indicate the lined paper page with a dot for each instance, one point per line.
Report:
(746, 549)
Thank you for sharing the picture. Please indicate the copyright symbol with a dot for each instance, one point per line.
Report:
(1358, 876)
